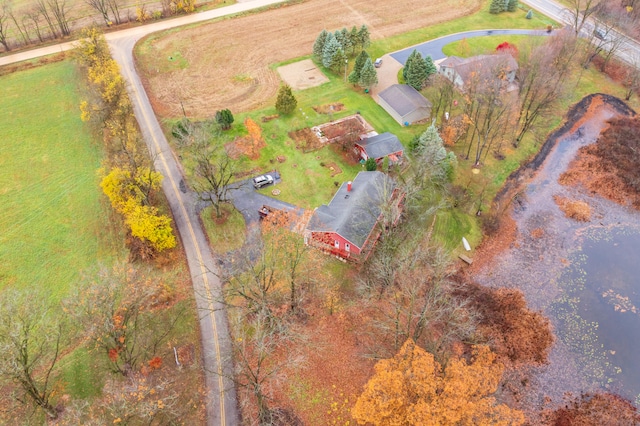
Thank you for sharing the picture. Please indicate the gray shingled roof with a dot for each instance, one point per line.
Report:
(404, 99)
(380, 146)
(353, 214)
(464, 67)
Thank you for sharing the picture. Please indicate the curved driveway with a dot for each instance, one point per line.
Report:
(434, 47)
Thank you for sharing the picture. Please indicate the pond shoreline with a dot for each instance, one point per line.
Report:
(536, 243)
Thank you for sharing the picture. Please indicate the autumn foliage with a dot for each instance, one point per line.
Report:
(516, 332)
(413, 389)
(130, 179)
(595, 410)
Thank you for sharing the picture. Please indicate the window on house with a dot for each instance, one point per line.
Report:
(336, 244)
(347, 246)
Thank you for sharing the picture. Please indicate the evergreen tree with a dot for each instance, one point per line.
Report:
(368, 75)
(370, 165)
(224, 118)
(347, 46)
(354, 77)
(408, 63)
(497, 6)
(431, 67)
(338, 62)
(355, 39)
(416, 72)
(433, 156)
(512, 5)
(338, 35)
(318, 46)
(364, 37)
(286, 102)
(330, 49)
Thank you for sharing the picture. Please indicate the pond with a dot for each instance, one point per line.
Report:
(584, 276)
(598, 313)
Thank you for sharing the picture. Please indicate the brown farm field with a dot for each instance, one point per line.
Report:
(226, 64)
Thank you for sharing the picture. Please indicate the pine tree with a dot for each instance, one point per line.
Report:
(286, 102)
(368, 75)
(354, 77)
(407, 64)
(355, 39)
(431, 67)
(338, 35)
(416, 71)
(347, 45)
(338, 61)
(331, 48)
(224, 118)
(364, 37)
(318, 46)
(497, 6)
(512, 5)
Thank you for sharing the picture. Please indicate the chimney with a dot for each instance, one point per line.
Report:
(349, 186)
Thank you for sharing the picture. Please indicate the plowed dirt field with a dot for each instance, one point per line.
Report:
(225, 64)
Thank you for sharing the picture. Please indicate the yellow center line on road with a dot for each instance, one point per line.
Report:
(203, 269)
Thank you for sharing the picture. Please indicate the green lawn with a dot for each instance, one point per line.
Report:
(51, 214)
(225, 236)
(482, 20)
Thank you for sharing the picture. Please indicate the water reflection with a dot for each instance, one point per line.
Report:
(599, 310)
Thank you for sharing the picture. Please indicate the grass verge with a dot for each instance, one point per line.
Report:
(227, 233)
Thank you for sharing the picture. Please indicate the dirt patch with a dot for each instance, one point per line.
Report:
(349, 127)
(333, 168)
(217, 52)
(326, 109)
(348, 156)
(302, 75)
(574, 209)
(244, 146)
(305, 140)
(267, 118)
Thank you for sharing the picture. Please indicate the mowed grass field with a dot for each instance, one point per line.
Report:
(52, 221)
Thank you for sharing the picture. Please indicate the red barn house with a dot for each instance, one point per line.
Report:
(380, 146)
(350, 225)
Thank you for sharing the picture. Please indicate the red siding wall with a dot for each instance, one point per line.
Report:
(327, 242)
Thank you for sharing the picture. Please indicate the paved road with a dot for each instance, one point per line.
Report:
(221, 402)
(141, 31)
(629, 50)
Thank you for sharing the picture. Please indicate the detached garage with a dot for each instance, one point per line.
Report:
(405, 104)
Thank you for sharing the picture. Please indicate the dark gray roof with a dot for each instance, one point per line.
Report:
(404, 99)
(380, 146)
(354, 214)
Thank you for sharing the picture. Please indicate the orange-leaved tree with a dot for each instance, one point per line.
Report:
(412, 388)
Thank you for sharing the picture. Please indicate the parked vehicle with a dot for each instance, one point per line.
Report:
(262, 180)
(600, 33)
(378, 63)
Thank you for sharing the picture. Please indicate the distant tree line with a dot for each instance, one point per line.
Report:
(42, 20)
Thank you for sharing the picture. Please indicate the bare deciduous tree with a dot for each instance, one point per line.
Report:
(4, 24)
(544, 73)
(418, 303)
(632, 77)
(489, 109)
(30, 343)
(114, 311)
(43, 9)
(255, 345)
(214, 172)
(59, 9)
(579, 12)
